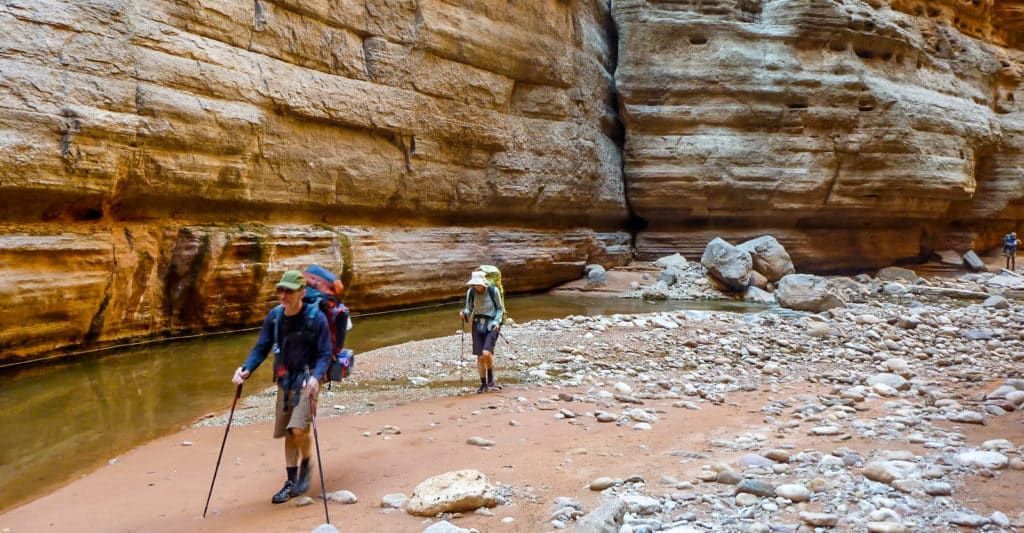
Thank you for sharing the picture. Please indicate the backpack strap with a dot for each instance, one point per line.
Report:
(278, 313)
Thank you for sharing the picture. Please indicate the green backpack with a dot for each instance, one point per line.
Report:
(493, 276)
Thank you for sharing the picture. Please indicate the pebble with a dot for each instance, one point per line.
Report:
(744, 499)
(393, 501)
(984, 459)
(342, 496)
(793, 492)
(602, 483)
(819, 519)
(756, 487)
(480, 441)
(302, 501)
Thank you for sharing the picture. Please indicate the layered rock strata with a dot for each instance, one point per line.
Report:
(162, 161)
(897, 124)
(62, 290)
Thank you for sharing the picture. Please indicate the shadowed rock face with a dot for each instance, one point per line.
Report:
(809, 115)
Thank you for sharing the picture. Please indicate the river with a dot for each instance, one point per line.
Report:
(62, 420)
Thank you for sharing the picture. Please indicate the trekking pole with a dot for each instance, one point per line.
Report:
(462, 348)
(238, 393)
(501, 334)
(319, 463)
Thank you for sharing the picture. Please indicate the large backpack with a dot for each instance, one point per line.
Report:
(493, 276)
(323, 291)
(1009, 242)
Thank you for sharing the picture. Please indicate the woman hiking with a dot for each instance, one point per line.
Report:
(485, 310)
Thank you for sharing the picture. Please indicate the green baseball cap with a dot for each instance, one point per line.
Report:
(292, 279)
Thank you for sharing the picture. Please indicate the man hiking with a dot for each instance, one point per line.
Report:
(486, 310)
(297, 333)
(1010, 244)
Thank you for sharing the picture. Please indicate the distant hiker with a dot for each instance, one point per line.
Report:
(1010, 243)
(298, 334)
(485, 309)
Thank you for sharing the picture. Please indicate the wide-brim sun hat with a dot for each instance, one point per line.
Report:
(478, 278)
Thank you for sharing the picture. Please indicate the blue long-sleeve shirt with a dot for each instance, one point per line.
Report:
(317, 355)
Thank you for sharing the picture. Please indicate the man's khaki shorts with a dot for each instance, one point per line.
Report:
(287, 417)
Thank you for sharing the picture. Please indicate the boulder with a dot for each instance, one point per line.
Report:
(1006, 280)
(596, 274)
(607, 518)
(900, 274)
(674, 260)
(996, 302)
(671, 276)
(727, 263)
(974, 262)
(656, 292)
(950, 257)
(806, 292)
(758, 280)
(445, 526)
(769, 257)
(758, 296)
(451, 492)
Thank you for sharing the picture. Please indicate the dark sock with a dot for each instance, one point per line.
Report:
(490, 375)
(304, 467)
(483, 382)
(292, 472)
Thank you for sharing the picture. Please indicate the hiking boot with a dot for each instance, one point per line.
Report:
(285, 493)
(492, 384)
(301, 486)
(482, 389)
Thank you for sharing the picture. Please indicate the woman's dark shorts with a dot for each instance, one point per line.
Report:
(483, 340)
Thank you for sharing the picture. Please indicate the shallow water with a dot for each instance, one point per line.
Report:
(62, 420)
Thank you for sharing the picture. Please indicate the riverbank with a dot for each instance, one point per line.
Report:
(828, 402)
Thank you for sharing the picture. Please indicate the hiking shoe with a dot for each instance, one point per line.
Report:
(492, 385)
(301, 486)
(482, 389)
(285, 493)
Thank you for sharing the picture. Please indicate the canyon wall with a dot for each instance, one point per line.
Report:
(860, 133)
(163, 161)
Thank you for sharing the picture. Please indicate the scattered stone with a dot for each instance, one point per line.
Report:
(727, 263)
(984, 459)
(445, 526)
(607, 518)
(480, 441)
(805, 292)
(601, 483)
(756, 487)
(793, 492)
(393, 501)
(996, 302)
(302, 501)
(769, 257)
(897, 274)
(974, 262)
(325, 528)
(461, 490)
(819, 519)
(343, 497)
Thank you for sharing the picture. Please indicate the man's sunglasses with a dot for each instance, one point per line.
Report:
(285, 290)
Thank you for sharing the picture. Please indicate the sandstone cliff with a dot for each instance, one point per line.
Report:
(163, 161)
(859, 133)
